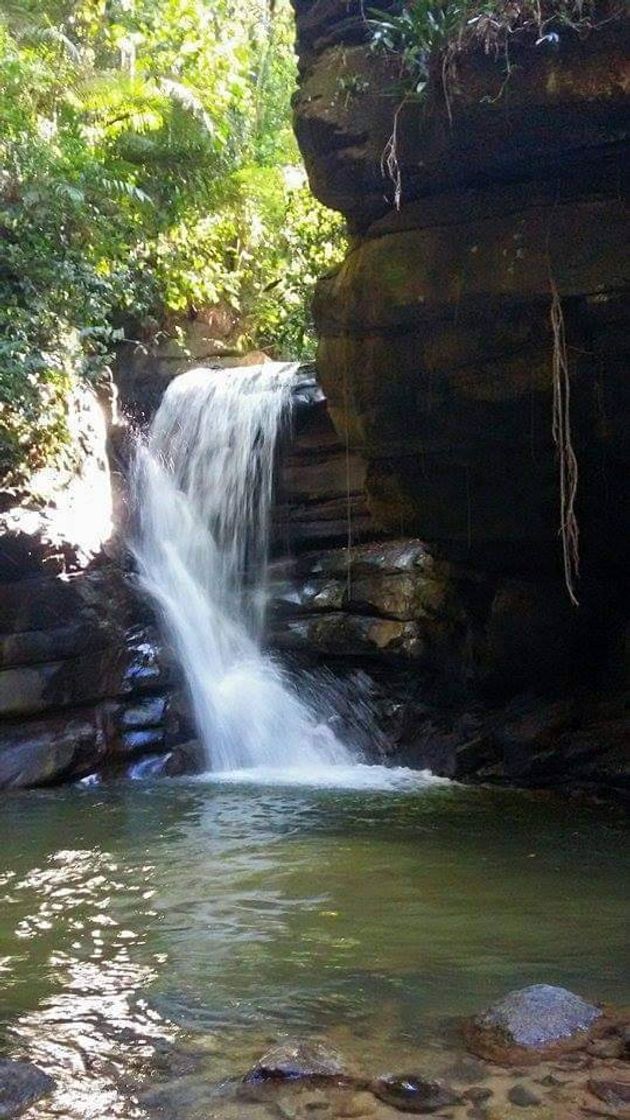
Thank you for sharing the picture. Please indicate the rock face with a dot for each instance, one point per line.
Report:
(436, 346)
(532, 1022)
(565, 104)
(437, 358)
(321, 484)
(84, 684)
(434, 662)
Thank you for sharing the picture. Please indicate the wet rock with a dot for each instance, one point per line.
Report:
(551, 1081)
(37, 752)
(571, 1062)
(184, 1096)
(262, 1092)
(536, 1112)
(466, 1069)
(356, 1105)
(606, 1048)
(298, 1061)
(21, 1084)
(613, 1091)
(412, 1093)
(340, 635)
(142, 741)
(320, 481)
(173, 1060)
(148, 712)
(316, 1105)
(287, 1110)
(145, 668)
(530, 1023)
(185, 758)
(523, 1096)
(477, 1094)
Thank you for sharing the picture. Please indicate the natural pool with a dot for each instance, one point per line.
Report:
(147, 927)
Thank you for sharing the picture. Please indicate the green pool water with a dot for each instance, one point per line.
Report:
(149, 918)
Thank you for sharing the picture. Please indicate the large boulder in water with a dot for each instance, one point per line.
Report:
(21, 1084)
(299, 1061)
(531, 1023)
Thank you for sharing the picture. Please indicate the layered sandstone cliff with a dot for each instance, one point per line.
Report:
(437, 349)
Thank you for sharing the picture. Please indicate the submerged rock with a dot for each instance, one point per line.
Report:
(356, 1105)
(299, 1061)
(529, 1023)
(412, 1093)
(21, 1084)
(612, 1091)
(523, 1096)
(477, 1094)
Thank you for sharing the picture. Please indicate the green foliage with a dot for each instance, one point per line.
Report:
(417, 32)
(147, 167)
(309, 245)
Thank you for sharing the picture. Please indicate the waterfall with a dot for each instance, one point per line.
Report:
(203, 488)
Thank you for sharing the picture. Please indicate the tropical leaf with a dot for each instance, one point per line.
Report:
(188, 98)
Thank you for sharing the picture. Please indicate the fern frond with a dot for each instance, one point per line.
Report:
(123, 188)
(189, 99)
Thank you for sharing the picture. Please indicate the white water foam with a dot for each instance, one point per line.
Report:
(358, 776)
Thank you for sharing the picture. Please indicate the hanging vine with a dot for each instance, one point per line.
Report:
(561, 430)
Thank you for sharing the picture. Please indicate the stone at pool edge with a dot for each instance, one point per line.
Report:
(411, 1093)
(299, 1061)
(523, 1096)
(531, 1023)
(21, 1084)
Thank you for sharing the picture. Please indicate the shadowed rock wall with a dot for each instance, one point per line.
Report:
(436, 356)
(436, 343)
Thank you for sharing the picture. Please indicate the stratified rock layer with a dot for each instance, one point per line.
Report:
(85, 686)
(437, 358)
(562, 103)
(436, 348)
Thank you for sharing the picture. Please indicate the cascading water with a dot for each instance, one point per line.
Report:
(203, 488)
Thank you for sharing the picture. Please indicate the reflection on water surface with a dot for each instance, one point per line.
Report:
(142, 927)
